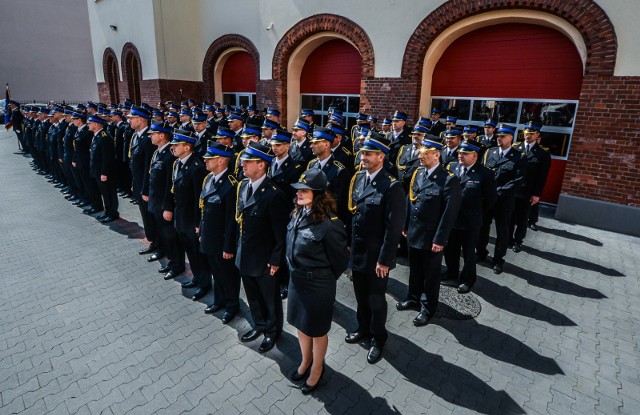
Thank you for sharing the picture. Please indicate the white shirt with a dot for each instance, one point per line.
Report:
(255, 185)
(279, 162)
(182, 161)
(215, 179)
(431, 170)
(372, 176)
(505, 152)
(324, 162)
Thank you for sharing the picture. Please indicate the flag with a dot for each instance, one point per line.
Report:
(7, 110)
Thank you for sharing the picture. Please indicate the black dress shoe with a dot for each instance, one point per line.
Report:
(83, 204)
(155, 257)
(497, 269)
(212, 309)
(517, 247)
(307, 389)
(171, 274)
(353, 338)
(407, 305)
(151, 248)
(297, 376)
(189, 284)
(91, 211)
(164, 269)
(422, 319)
(249, 336)
(227, 317)
(533, 227)
(101, 216)
(464, 288)
(109, 219)
(284, 293)
(200, 292)
(267, 344)
(375, 353)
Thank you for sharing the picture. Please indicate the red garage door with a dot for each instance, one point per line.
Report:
(239, 79)
(331, 76)
(525, 71)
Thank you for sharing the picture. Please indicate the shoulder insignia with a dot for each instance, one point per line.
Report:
(333, 217)
(311, 162)
(297, 166)
(346, 151)
(450, 173)
(338, 164)
(233, 180)
(544, 148)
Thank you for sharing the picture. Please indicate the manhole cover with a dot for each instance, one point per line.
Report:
(456, 306)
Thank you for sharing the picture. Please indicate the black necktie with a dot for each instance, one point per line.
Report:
(464, 171)
(501, 154)
(528, 148)
(277, 166)
(367, 180)
(249, 192)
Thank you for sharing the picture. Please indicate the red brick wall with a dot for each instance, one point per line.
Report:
(382, 96)
(604, 154)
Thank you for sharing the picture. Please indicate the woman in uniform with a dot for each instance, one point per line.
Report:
(317, 255)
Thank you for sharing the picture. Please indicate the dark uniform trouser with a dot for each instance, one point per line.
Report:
(169, 243)
(71, 180)
(465, 239)
(424, 278)
(92, 191)
(519, 221)
(22, 145)
(148, 221)
(82, 191)
(226, 282)
(109, 196)
(197, 260)
(372, 305)
(533, 214)
(501, 212)
(263, 296)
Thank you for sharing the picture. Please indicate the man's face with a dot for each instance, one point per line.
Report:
(267, 133)
(308, 118)
(211, 163)
(386, 128)
(531, 137)
(429, 158)
(416, 139)
(435, 117)
(156, 138)
(320, 148)
(398, 125)
(489, 130)
(224, 140)
(94, 126)
(184, 118)
(452, 141)
(467, 159)
(299, 134)
(504, 141)
(247, 140)
(253, 169)
(172, 120)
(371, 160)
(235, 125)
(199, 126)
(273, 118)
(134, 122)
(180, 150)
(280, 149)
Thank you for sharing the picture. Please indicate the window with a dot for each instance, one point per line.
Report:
(238, 98)
(557, 116)
(320, 104)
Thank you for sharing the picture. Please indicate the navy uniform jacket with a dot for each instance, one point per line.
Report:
(111, 129)
(126, 145)
(101, 155)
(17, 118)
(314, 246)
(141, 150)
(488, 142)
(62, 129)
(538, 165)
(41, 135)
(28, 130)
(262, 222)
(157, 184)
(406, 164)
(82, 145)
(119, 141)
(345, 156)
(338, 183)
(301, 153)
(52, 142)
(201, 145)
(288, 173)
(218, 225)
(509, 172)
(378, 217)
(68, 140)
(432, 210)
(437, 128)
(403, 139)
(447, 159)
(212, 126)
(478, 194)
(187, 186)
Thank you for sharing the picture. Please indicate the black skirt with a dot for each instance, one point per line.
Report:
(311, 298)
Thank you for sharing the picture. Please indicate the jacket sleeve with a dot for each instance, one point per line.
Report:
(107, 155)
(545, 165)
(452, 201)
(489, 190)
(335, 245)
(279, 213)
(198, 178)
(231, 226)
(148, 150)
(395, 215)
(169, 201)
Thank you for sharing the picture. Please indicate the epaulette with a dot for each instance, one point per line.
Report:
(339, 165)
(392, 179)
(103, 133)
(448, 167)
(333, 217)
(297, 166)
(450, 173)
(311, 162)
(233, 180)
(346, 150)
(543, 147)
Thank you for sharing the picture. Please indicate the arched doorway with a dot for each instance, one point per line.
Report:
(132, 72)
(111, 75)
(331, 76)
(237, 78)
(514, 73)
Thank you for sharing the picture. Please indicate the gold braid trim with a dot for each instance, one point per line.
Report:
(412, 196)
(398, 165)
(350, 206)
(239, 217)
(173, 174)
(201, 202)
(152, 158)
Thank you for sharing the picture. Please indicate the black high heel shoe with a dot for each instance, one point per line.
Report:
(307, 389)
(297, 377)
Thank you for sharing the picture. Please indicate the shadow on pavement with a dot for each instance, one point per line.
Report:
(572, 262)
(559, 285)
(508, 300)
(429, 371)
(561, 233)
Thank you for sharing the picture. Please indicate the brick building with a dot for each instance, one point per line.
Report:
(573, 63)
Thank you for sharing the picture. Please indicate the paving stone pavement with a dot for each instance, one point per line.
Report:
(87, 326)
